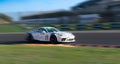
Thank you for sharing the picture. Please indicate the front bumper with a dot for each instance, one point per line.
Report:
(67, 40)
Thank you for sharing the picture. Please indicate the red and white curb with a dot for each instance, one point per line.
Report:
(94, 45)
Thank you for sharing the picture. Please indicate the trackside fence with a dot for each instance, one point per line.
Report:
(71, 27)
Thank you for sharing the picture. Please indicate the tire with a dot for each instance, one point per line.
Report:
(30, 38)
(53, 39)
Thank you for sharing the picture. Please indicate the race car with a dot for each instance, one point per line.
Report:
(50, 34)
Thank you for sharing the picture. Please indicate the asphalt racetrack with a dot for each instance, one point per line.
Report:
(109, 37)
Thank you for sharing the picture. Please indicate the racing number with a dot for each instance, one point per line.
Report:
(46, 37)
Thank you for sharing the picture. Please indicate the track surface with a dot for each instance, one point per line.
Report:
(82, 37)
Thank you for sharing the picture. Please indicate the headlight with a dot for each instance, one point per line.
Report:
(60, 35)
(69, 32)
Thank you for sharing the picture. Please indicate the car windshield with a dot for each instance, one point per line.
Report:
(49, 29)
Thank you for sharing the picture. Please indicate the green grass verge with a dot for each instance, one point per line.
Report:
(14, 54)
(11, 28)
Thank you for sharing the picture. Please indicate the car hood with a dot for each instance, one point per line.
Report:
(64, 33)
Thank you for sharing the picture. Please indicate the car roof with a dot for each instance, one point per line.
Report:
(47, 27)
(44, 28)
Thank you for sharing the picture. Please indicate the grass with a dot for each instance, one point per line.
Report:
(15, 54)
(11, 28)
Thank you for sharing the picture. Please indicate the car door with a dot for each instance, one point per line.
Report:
(41, 34)
(36, 34)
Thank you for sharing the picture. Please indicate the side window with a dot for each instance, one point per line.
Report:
(38, 30)
(43, 29)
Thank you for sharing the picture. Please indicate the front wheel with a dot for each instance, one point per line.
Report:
(53, 39)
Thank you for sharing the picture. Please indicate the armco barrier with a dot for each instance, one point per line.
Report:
(97, 26)
(81, 27)
(115, 26)
(65, 27)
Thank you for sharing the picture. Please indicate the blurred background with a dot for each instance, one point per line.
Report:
(64, 15)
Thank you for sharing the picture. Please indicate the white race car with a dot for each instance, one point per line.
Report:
(50, 34)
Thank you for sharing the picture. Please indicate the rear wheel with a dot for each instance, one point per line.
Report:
(53, 39)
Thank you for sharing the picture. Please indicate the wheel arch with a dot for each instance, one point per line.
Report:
(55, 40)
(53, 35)
(30, 34)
